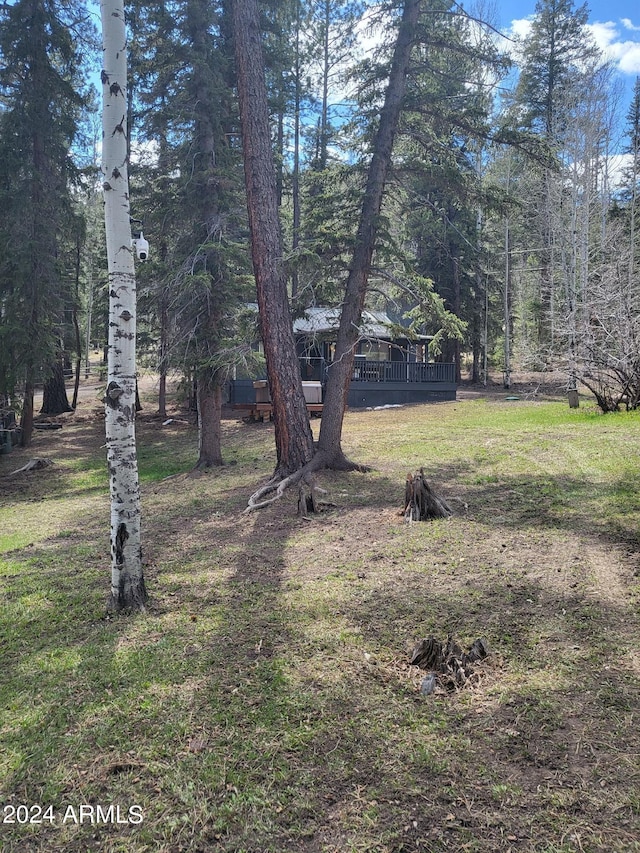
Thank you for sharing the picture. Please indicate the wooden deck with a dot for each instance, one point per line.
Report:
(374, 383)
(264, 411)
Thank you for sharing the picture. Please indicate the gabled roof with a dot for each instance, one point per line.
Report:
(325, 321)
(318, 321)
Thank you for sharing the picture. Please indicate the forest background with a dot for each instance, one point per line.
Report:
(266, 699)
(511, 203)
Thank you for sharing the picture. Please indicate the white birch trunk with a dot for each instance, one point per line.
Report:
(127, 579)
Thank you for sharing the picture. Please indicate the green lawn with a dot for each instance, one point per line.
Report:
(265, 701)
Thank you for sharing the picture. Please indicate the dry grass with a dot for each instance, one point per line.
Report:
(265, 702)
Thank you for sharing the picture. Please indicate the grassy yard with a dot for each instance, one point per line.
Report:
(265, 702)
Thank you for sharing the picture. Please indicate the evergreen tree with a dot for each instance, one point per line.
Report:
(193, 197)
(631, 183)
(553, 56)
(41, 46)
(294, 440)
(558, 60)
(355, 292)
(331, 34)
(438, 194)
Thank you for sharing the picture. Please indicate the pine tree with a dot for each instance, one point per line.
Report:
(556, 50)
(429, 223)
(340, 372)
(192, 198)
(294, 440)
(446, 128)
(558, 57)
(41, 45)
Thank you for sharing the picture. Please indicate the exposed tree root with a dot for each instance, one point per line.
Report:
(275, 488)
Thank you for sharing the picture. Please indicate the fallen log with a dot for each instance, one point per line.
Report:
(32, 465)
(421, 503)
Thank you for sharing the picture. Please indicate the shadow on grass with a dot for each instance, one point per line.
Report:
(339, 756)
(244, 716)
(326, 758)
(604, 510)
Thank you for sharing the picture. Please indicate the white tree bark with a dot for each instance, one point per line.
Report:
(127, 579)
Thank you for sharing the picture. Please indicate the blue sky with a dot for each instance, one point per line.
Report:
(615, 25)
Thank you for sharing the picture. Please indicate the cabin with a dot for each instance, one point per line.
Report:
(389, 368)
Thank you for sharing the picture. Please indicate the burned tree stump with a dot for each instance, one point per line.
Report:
(306, 499)
(421, 503)
(427, 654)
(309, 500)
(451, 666)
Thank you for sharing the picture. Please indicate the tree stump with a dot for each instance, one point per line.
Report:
(574, 399)
(307, 499)
(451, 665)
(421, 503)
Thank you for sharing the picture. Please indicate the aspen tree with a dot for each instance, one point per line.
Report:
(127, 579)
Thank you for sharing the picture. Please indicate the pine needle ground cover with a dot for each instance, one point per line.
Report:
(265, 702)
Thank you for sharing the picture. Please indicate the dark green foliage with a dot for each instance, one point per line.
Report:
(556, 53)
(188, 189)
(441, 158)
(190, 193)
(41, 75)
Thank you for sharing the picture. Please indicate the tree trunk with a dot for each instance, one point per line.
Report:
(295, 178)
(26, 419)
(54, 393)
(323, 144)
(506, 304)
(76, 325)
(163, 360)
(209, 397)
(294, 439)
(78, 368)
(127, 579)
(457, 311)
(340, 371)
(162, 392)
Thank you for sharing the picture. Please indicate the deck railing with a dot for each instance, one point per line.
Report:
(373, 381)
(402, 371)
(383, 371)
